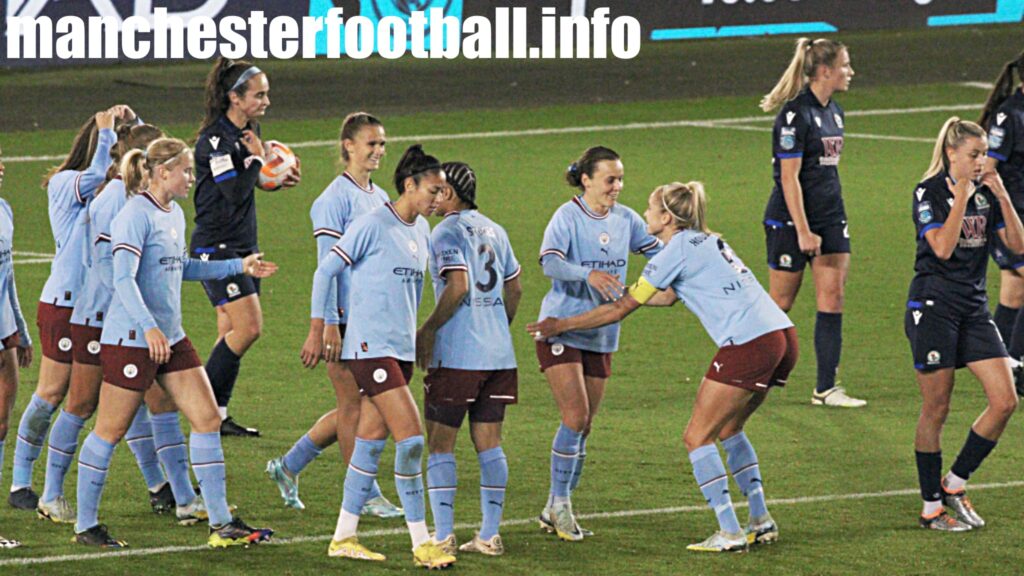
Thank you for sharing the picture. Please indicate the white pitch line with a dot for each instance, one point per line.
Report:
(847, 135)
(516, 522)
(705, 123)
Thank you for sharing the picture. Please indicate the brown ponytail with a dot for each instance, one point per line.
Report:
(219, 83)
(1002, 90)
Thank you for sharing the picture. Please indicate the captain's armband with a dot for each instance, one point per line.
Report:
(642, 290)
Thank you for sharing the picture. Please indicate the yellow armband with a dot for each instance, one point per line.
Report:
(642, 290)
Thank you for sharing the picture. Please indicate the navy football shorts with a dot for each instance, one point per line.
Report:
(784, 249)
(232, 288)
(942, 337)
(1003, 256)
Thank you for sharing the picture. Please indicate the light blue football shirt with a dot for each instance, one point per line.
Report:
(715, 285)
(94, 299)
(332, 214)
(388, 257)
(581, 237)
(477, 336)
(69, 193)
(11, 319)
(150, 262)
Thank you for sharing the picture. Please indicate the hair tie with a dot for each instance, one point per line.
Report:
(249, 73)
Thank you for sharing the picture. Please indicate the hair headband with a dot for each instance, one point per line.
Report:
(249, 73)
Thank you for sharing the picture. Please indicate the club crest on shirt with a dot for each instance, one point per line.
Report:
(785, 261)
(995, 137)
(604, 238)
(787, 138)
(839, 120)
(934, 357)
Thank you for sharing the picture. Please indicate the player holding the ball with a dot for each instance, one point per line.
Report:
(229, 157)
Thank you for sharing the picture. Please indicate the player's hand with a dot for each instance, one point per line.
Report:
(607, 285)
(332, 343)
(994, 182)
(313, 349)
(159, 347)
(254, 265)
(810, 243)
(546, 328)
(105, 119)
(24, 356)
(963, 189)
(424, 348)
(294, 175)
(253, 143)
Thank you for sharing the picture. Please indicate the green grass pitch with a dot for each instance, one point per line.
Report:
(845, 480)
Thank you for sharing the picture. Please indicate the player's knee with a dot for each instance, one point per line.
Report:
(935, 411)
(784, 301)
(81, 407)
(1004, 407)
(206, 423)
(250, 332)
(693, 440)
(577, 420)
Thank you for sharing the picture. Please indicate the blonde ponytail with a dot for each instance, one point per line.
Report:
(687, 204)
(137, 166)
(802, 69)
(952, 135)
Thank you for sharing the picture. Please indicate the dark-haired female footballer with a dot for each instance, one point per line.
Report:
(69, 189)
(15, 342)
(229, 156)
(387, 251)
(466, 348)
(959, 209)
(348, 197)
(157, 442)
(585, 253)
(1003, 117)
(805, 220)
(86, 374)
(758, 349)
(143, 340)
